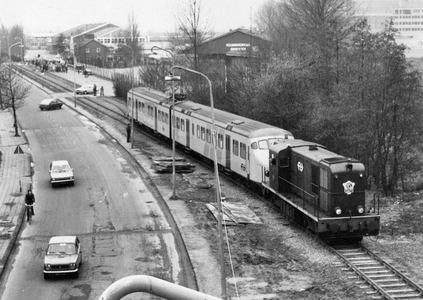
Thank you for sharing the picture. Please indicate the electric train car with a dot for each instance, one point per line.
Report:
(242, 144)
(321, 190)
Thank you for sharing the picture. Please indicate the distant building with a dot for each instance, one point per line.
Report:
(93, 53)
(235, 43)
(407, 15)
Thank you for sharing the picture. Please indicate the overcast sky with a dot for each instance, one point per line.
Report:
(54, 16)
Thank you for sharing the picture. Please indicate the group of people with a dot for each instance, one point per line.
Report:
(95, 90)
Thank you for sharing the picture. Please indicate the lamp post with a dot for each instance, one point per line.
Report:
(10, 48)
(74, 72)
(22, 46)
(132, 100)
(217, 184)
(173, 79)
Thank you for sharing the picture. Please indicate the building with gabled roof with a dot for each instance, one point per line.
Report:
(235, 43)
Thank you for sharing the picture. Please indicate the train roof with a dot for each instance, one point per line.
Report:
(230, 121)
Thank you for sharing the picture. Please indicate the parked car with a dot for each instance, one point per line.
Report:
(85, 89)
(63, 256)
(89, 71)
(61, 173)
(50, 104)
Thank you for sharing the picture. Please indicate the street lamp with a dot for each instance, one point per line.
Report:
(132, 100)
(20, 46)
(217, 183)
(74, 72)
(173, 79)
(10, 48)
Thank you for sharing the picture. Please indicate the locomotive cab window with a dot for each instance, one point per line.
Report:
(254, 145)
(235, 147)
(263, 144)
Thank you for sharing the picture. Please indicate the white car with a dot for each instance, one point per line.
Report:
(63, 256)
(85, 89)
(61, 173)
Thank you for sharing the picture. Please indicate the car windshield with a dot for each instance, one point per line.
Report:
(60, 169)
(62, 248)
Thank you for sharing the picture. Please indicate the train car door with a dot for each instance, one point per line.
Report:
(188, 136)
(227, 151)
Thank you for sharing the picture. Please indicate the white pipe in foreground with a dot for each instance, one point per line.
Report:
(151, 285)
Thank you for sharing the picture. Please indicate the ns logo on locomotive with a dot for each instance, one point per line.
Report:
(313, 186)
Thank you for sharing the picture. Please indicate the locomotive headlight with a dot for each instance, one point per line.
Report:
(360, 209)
(338, 210)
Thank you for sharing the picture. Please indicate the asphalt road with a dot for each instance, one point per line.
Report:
(122, 230)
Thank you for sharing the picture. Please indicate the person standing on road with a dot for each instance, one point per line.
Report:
(95, 90)
(128, 133)
(101, 91)
(30, 200)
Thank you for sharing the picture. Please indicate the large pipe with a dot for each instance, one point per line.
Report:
(152, 285)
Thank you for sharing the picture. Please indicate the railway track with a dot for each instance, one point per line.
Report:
(379, 276)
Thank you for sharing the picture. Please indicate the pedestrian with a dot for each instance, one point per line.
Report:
(85, 73)
(128, 133)
(101, 91)
(95, 90)
(30, 200)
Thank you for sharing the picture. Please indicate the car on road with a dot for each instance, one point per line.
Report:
(89, 71)
(85, 89)
(63, 256)
(61, 173)
(50, 104)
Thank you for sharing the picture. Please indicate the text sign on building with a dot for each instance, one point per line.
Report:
(238, 46)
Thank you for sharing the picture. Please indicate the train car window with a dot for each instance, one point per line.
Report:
(208, 136)
(182, 124)
(160, 116)
(143, 107)
(235, 147)
(178, 123)
(254, 145)
(198, 131)
(263, 144)
(193, 129)
(243, 150)
(220, 140)
(166, 118)
(203, 133)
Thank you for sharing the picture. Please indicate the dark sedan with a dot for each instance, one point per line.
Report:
(50, 104)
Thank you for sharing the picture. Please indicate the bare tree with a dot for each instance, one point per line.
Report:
(192, 30)
(132, 38)
(13, 90)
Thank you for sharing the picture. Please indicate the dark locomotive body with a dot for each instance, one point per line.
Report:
(321, 190)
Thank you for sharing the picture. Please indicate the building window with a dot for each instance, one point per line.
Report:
(98, 50)
(87, 50)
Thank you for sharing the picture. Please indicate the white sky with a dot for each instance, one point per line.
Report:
(54, 16)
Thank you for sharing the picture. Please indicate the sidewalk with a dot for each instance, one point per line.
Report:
(15, 179)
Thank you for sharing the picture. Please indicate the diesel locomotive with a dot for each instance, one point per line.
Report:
(321, 190)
